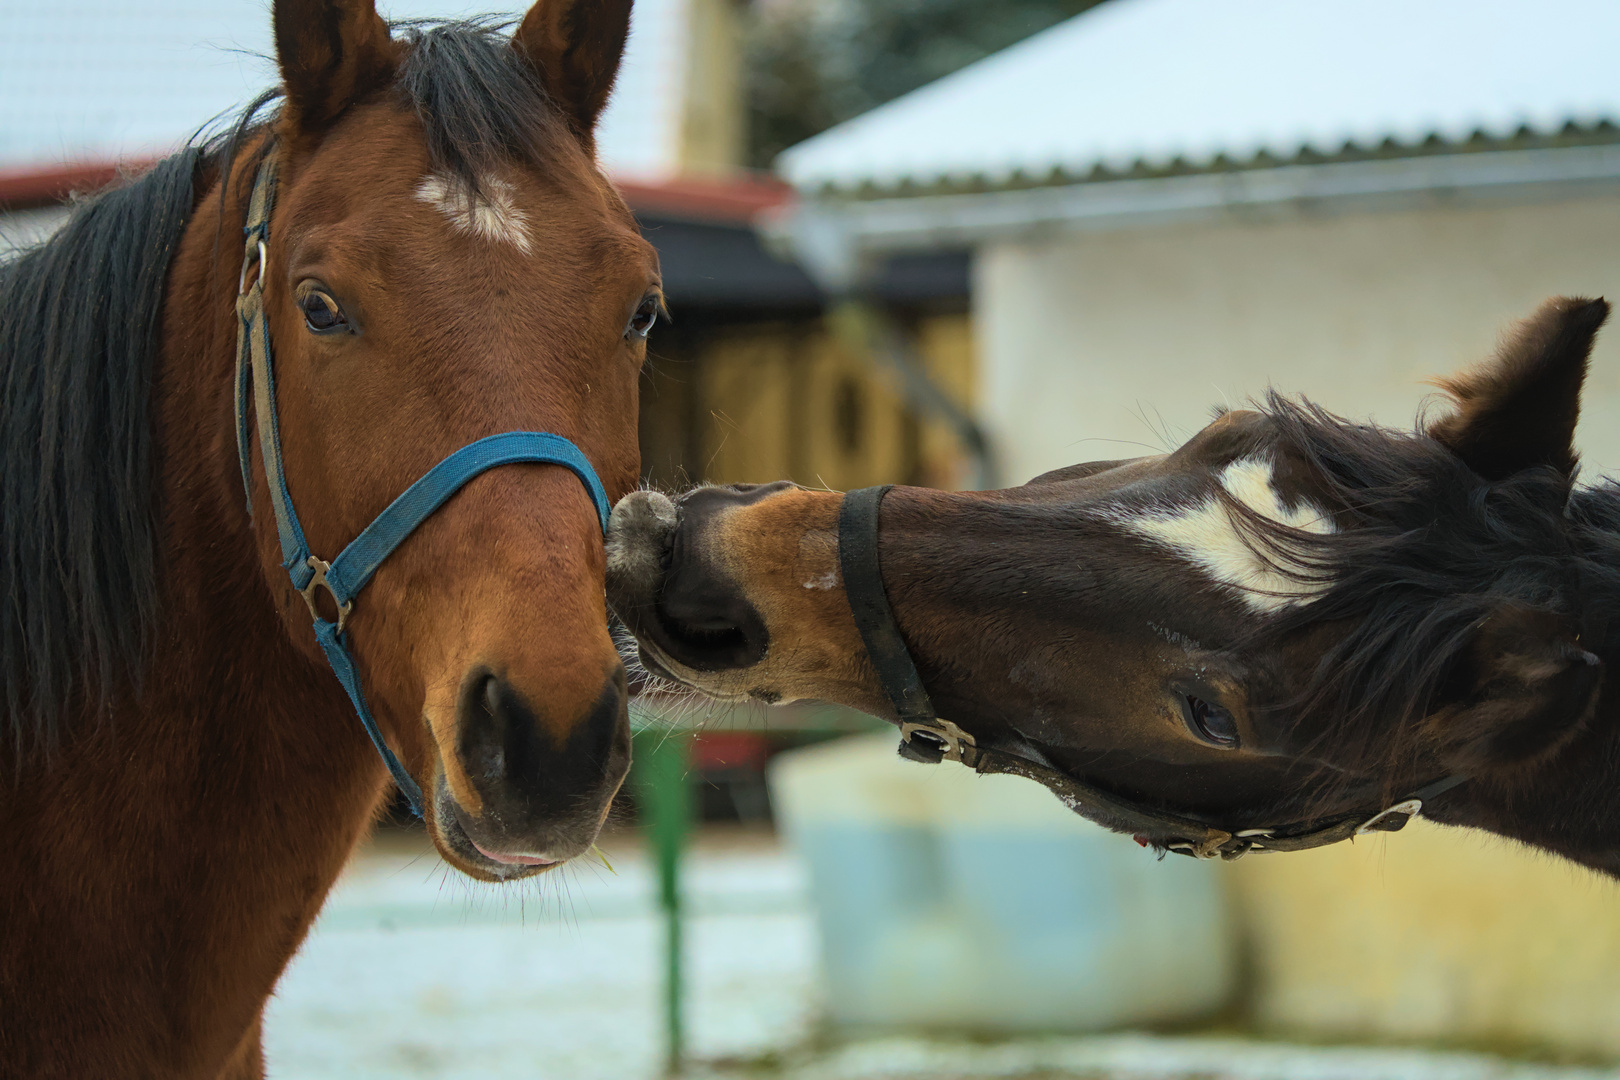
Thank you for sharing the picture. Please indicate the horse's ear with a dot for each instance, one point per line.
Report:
(331, 53)
(1518, 410)
(575, 46)
(1525, 687)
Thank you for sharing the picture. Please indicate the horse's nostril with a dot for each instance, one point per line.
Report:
(510, 747)
(494, 763)
(709, 625)
(483, 728)
(713, 637)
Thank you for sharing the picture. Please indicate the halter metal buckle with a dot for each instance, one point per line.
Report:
(321, 566)
(952, 739)
(1408, 809)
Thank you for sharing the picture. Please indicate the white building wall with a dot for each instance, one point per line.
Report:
(1114, 345)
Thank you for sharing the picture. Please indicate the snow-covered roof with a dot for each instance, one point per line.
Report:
(1195, 84)
(108, 80)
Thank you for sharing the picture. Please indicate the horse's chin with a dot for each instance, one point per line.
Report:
(660, 666)
(459, 849)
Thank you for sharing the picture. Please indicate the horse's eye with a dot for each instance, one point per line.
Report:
(641, 323)
(1211, 723)
(322, 313)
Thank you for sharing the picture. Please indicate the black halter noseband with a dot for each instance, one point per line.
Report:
(927, 738)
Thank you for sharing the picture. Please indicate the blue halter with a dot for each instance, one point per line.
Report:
(346, 575)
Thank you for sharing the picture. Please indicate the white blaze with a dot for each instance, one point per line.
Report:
(492, 215)
(1208, 535)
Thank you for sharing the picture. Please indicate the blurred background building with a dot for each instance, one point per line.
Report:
(957, 243)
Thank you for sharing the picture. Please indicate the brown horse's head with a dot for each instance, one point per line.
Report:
(446, 262)
(1291, 614)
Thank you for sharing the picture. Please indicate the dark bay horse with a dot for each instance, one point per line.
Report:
(181, 776)
(1291, 629)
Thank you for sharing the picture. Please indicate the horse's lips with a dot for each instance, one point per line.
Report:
(511, 860)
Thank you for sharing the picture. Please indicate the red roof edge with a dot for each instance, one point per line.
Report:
(730, 200)
(24, 188)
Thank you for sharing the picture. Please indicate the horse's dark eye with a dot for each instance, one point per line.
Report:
(322, 313)
(641, 323)
(1211, 723)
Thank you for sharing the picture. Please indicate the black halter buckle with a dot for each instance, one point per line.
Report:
(936, 742)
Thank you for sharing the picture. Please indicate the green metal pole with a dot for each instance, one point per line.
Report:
(665, 798)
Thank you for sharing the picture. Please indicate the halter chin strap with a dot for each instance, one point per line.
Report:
(927, 738)
(348, 573)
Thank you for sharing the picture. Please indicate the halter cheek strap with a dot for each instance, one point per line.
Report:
(346, 575)
(927, 738)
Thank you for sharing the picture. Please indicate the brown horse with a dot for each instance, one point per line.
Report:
(1288, 625)
(182, 777)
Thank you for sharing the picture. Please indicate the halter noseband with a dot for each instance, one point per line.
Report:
(927, 738)
(346, 575)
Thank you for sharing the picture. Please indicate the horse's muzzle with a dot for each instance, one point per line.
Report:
(668, 579)
(541, 796)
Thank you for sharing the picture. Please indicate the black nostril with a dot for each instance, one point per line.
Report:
(712, 632)
(704, 620)
(481, 735)
(531, 765)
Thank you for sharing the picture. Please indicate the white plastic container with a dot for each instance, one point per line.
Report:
(979, 903)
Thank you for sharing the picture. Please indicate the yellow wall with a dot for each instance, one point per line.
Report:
(790, 400)
(1433, 934)
(945, 343)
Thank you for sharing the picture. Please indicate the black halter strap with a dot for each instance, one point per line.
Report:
(927, 738)
(863, 584)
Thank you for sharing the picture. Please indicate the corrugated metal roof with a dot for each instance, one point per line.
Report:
(1138, 85)
(105, 80)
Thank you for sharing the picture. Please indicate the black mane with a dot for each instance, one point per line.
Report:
(1429, 551)
(79, 322)
(79, 337)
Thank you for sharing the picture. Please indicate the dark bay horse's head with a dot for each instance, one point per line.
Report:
(1290, 612)
(446, 262)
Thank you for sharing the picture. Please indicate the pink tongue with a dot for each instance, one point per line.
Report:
(512, 860)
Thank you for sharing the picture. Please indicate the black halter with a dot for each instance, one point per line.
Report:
(927, 738)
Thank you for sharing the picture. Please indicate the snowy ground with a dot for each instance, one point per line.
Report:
(414, 971)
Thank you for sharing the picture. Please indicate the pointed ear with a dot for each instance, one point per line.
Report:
(332, 53)
(1526, 687)
(1518, 410)
(575, 47)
